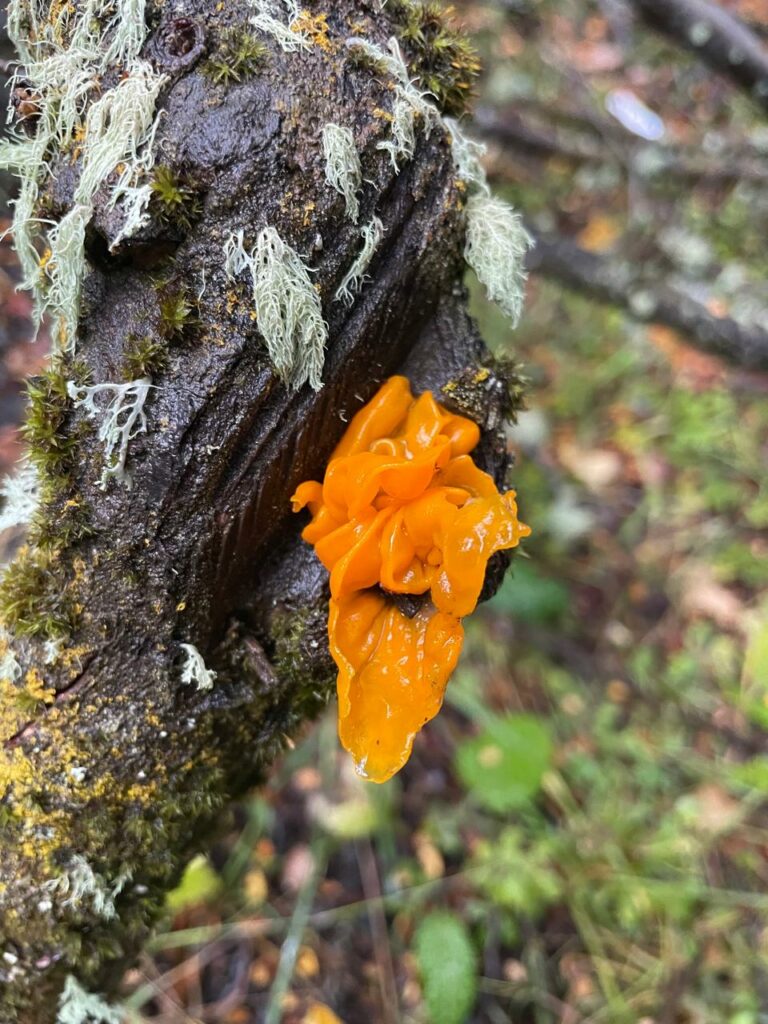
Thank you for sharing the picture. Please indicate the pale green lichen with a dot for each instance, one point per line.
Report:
(467, 157)
(80, 885)
(21, 494)
(267, 20)
(495, 248)
(288, 311)
(121, 419)
(409, 102)
(77, 1006)
(371, 234)
(343, 170)
(64, 55)
(9, 666)
(194, 671)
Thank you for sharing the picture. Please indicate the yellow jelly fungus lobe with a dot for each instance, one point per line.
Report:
(403, 510)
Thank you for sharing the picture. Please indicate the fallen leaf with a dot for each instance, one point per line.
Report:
(319, 1013)
(600, 233)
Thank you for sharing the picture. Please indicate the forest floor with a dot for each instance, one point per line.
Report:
(580, 836)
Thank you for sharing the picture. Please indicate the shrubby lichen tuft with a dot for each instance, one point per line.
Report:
(77, 1006)
(467, 157)
(409, 102)
(65, 52)
(194, 670)
(80, 884)
(371, 234)
(267, 20)
(289, 314)
(21, 493)
(343, 170)
(495, 248)
(121, 419)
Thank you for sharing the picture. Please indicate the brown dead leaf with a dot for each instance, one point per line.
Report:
(598, 468)
(600, 233)
(696, 368)
(319, 1013)
(718, 811)
(702, 596)
(297, 868)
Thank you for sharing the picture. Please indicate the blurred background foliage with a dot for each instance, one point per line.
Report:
(580, 837)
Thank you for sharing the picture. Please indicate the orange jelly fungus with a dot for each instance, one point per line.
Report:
(403, 509)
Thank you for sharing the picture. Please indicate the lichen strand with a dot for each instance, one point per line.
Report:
(402, 510)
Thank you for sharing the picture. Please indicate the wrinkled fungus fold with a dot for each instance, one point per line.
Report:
(402, 510)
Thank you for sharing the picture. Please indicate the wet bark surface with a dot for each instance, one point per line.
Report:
(114, 773)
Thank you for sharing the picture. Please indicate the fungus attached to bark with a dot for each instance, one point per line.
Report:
(403, 510)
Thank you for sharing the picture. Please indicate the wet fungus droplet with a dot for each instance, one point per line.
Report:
(403, 511)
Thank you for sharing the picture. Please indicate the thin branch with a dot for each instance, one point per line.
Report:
(613, 282)
(513, 133)
(722, 40)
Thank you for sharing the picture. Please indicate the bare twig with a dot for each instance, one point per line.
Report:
(614, 282)
(513, 133)
(717, 36)
(369, 876)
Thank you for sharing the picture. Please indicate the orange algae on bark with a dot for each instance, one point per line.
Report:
(403, 510)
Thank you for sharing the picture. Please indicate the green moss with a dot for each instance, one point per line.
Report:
(516, 385)
(175, 200)
(144, 357)
(178, 312)
(32, 598)
(441, 58)
(239, 55)
(60, 523)
(50, 446)
(301, 659)
(500, 377)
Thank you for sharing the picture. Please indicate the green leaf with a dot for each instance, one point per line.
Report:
(529, 597)
(752, 773)
(447, 963)
(503, 766)
(199, 884)
(754, 679)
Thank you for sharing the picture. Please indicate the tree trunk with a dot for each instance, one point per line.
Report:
(113, 771)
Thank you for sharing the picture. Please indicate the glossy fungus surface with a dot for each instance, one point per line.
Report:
(403, 510)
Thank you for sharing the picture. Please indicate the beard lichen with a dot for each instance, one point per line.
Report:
(20, 493)
(288, 311)
(286, 33)
(495, 249)
(371, 235)
(65, 51)
(343, 170)
(409, 102)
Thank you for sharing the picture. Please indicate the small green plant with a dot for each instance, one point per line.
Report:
(31, 598)
(50, 446)
(239, 55)
(442, 58)
(504, 765)
(178, 313)
(144, 357)
(448, 965)
(175, 201)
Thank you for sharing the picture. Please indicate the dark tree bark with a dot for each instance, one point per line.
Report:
(113, 772)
